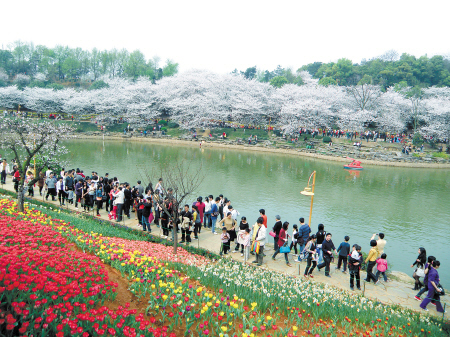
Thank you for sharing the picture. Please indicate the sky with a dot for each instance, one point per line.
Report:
(223, 35)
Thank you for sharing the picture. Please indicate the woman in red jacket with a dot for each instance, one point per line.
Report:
(16, 178)
(282, 240)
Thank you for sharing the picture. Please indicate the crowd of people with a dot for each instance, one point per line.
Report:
(155, 206)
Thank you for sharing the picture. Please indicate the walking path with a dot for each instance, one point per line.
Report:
(397, 291)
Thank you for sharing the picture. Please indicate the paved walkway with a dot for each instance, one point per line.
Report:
(397, 291)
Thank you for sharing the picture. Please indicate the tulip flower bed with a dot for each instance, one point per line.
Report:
(225, 298)
(48, 288)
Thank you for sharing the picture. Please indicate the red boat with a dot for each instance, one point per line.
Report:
(354, 165)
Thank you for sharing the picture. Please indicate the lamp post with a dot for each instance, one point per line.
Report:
(309, 191)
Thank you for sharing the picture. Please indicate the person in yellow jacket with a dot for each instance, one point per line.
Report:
(371, 258)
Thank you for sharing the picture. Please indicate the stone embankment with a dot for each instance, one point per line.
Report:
(372, 153)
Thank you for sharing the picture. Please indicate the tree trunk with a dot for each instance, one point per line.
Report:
(175, 235)
(175, 238)
(20, 198)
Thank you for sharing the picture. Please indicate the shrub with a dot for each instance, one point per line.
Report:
(162, 122)
(99, 85)
(327, 139)
(440, 155)
(417, 139)
(164, 129)
(172, 125)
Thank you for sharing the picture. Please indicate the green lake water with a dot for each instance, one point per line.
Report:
(411, 206)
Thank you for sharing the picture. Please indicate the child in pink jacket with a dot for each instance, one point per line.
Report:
(382, 266)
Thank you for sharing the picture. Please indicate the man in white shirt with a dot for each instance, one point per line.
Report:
(381, 242)
(260, 236)
(207, 214)
(234, 213)
(120, 198)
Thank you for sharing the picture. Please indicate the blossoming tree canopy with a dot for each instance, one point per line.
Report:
(196, 98)
(28, 140)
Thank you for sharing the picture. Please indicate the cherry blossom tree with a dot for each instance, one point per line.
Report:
(393, 109)
(11, 97)
(309, 106)
(437, 105)
(29, 140)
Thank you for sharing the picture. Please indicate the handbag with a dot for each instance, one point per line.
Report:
(420, 272)
(104, 197)
(255, 247)
(441, 288)
(272, 234)
(285, 249)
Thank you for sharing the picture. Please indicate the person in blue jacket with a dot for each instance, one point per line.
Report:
(303, 235)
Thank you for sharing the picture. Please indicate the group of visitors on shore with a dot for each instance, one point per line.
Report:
(156, 204)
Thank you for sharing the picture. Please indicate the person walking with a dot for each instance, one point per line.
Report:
(294, 239)
(197, 221)
(343, 250)
(247, 239)
(382, 267)
(371, 258)
(259, 237)
(328, 248)
(420, 268)
(207, 214)
(5, 171)
(51, 186)
(214, 214)
(310, 250)
(40, 182)
(428, 266)
(60, 190)
(146, 212)
(16, 180)
(433, 289)
(320, 238)
(201, 210)
(128, 200)
(303, 235)
(99, 198)
(119, 199)
(225, 239)
(78, 192)
(283, 240)
(276, 229)
(354, 266)
(186, 224)
(240, 240)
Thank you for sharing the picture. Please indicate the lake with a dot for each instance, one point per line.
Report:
(411, 206)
